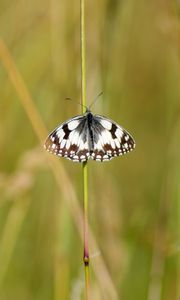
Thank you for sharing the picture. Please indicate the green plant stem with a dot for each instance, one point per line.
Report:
(85, 168)
(86, 242)
(83, 57)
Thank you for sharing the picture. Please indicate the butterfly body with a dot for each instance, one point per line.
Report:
(89, 136)
(90, 132)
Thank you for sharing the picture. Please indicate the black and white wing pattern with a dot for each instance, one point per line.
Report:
(89, 136)
(69, 140)
(110, 139)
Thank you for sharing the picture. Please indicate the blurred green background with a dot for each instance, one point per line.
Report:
(133, 56)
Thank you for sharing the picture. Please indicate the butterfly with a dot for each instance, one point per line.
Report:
(89, 136)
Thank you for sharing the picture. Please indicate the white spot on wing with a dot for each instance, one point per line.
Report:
(76, 157)
(112, 144)
(98, 145)
(106, 124)
(97, 159)
(81, 144)
(126, 137)
(63, 143)
(117, 143)
(119, 133)
(105, 137)
(68, 144)
(73, 137)
(60, 133)
(126, 145)
(73, 124)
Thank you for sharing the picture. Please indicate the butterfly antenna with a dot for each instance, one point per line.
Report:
(70, 99)
(97, 97)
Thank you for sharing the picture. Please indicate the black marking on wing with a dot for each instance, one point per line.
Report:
(66, 131)
(113, 130)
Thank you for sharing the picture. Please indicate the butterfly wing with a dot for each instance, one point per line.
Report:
(110, 139)
(69, 140)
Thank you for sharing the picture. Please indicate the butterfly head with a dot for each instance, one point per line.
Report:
(87, 111)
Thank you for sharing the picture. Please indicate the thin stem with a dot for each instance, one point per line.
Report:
(85, 169)
(86, 242)
(83, 57)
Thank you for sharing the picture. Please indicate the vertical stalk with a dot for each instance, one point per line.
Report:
(85, 171)
(86, 243)
(83, 56)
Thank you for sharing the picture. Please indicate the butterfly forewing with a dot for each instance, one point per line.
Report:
(88, 136)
